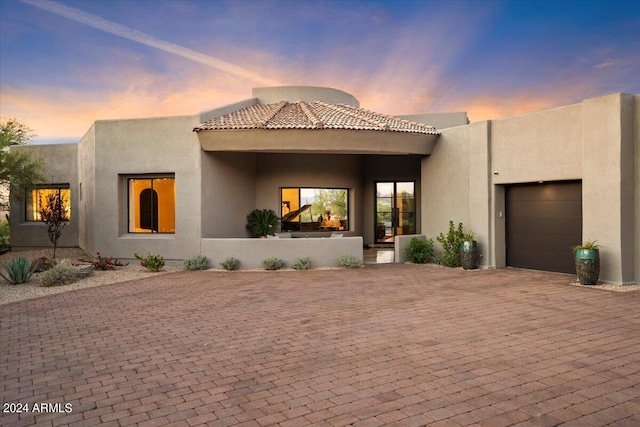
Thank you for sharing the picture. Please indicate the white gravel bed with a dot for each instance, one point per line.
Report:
(34, 289)
(609, 287)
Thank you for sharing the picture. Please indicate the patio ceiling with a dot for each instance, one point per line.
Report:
(317, 127)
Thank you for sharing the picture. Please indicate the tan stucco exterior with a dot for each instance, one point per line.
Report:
(595, 141)
(460, 176)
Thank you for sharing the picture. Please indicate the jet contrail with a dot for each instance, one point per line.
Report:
(140, 37)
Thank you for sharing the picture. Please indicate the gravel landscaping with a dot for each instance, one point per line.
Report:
(34, 289)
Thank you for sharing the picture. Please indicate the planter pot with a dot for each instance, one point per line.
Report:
(588, 266)
(469, 255)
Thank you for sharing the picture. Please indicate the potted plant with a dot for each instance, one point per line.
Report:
(587, 257)
(469, 251)
(262, 222)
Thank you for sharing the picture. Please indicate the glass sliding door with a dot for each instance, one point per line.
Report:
(395, 210)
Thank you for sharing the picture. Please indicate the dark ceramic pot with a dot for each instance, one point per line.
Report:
(588, 266)
(469, 255)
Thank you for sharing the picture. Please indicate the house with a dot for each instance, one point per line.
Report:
(530, 186)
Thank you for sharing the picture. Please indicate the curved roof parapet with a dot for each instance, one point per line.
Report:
(270, 95)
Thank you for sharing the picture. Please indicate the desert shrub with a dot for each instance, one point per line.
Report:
(451, 245)
(105, 263)
(420, 251)
(349, 261)
(302, 263)
(18, 270)
(230, 263)
(273, 263)
(151, 262)
(197, 262)
(61, 274)
(5, 239)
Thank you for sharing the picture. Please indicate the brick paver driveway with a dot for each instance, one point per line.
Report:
(392, 344)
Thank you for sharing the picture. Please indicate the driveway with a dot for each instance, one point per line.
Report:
(388, 344)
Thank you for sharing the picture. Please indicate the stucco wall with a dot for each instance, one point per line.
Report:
(456, 187)
(228, 193)
(595, 141)
(439, 120)
(445, 183)
(545, 145)
(60, 168)
(607, 183)
(86, 177)
(324, 252)
(147, 146)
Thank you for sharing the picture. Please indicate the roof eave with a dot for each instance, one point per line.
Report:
(327, 141)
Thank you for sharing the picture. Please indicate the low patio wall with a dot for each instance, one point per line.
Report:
(324, 252)
(401, 243)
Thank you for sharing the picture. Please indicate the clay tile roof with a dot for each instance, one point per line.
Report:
(315, 115)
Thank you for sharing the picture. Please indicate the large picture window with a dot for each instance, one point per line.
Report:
(37, 199)
(315, 209)
(152, 204)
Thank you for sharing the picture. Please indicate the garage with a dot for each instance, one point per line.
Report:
(543, 222)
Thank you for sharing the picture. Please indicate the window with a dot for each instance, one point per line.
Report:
(315, 209)
(152, 204)
(37, 199)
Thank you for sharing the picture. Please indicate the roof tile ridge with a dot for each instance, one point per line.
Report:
(311, 116)
(270, 115)
(344, 109)
(394, 118)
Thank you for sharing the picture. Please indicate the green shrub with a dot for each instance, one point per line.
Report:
(61, 274)
(198, 262)
(349, 261)
(230, 263)
(451, 245)
(273, 263)
(262, 222)
(302, 263)
(5, 241)
(18, 270)
(420, 251)
(151, 262)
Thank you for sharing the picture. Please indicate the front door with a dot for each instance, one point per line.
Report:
(395, 210)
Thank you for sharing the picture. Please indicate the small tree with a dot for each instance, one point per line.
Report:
(55, 214)
(19, 169)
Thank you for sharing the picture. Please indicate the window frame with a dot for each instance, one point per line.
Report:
(299, 189)
(126, 182)
(57, 186)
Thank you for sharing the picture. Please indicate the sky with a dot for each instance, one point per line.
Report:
(65, 64)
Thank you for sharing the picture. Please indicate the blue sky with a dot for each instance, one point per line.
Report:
(65, 64)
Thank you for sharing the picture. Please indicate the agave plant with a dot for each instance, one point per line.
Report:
(262, 222)
(18, 270)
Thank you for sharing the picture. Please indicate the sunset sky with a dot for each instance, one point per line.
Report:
(65, 64)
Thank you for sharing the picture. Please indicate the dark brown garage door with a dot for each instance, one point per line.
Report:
(543, 222)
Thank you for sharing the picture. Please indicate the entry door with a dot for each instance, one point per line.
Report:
(395, 210)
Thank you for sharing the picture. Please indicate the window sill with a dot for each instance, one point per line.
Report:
(146, 236)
